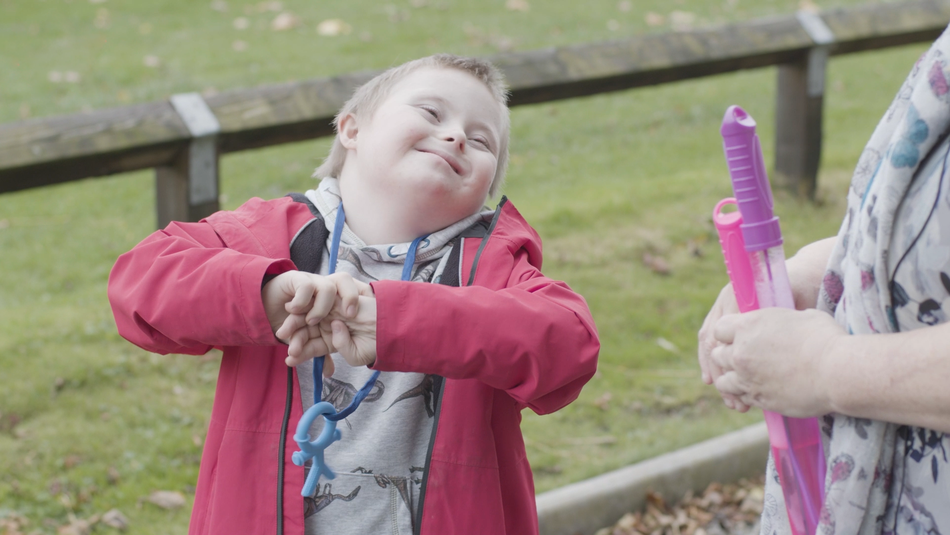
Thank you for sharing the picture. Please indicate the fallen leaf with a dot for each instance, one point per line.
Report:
(656, 264)
(71, 461)
(78, 526)
(11, 523)
(603, 401)
(333, 27)
(682, 21)
(102, 18)
(518, 5)
(241, 23)
(167, 499)
(667, 345)
(219, 5)
(613, 25)
(625, 5)
(54, 76)
(72, 77)
(239, 46)
(654, 19)
(112, 475)
(151, 61)
(115, 519)
(284, 21)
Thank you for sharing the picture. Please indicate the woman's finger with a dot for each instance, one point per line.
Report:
(729, 384)
(724, 330)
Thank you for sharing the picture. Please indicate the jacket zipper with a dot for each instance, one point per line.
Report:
(481, 246)
(417, 528)
(283, 448)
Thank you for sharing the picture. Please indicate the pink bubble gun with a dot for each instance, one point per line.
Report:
(752, 246)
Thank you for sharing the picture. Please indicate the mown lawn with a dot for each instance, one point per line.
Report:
(89, 423)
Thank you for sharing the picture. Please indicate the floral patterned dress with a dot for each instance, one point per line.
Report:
(890, 272)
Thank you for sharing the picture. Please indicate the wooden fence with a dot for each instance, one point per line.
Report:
(184, 137)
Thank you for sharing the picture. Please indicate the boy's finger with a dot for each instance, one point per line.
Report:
(328, 367)
(323, 301)
(291, 324)
(304, 289)
(296, 342)
(348, 293)
(343, 341)
(364, 289)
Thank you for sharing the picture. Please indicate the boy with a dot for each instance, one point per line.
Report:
(471, 335)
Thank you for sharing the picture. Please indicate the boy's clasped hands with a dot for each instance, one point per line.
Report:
(316, 315)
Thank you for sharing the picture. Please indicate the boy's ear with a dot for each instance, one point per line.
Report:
(348, 129)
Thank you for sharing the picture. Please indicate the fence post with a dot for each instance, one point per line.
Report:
(187, 190)
(798, 111)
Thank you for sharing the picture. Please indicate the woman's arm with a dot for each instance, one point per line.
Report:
(897, 377)
(802, 363)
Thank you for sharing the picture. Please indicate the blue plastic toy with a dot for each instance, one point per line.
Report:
(314, 450)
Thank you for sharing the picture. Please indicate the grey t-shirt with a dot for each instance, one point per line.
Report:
(380, 460)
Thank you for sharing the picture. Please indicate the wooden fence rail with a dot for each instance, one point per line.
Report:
(184, 137)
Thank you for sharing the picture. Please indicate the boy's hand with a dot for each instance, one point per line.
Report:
(296, 302)
(354, 338)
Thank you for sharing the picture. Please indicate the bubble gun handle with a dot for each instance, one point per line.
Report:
(751, 242)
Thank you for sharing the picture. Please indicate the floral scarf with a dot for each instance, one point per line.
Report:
(888, 273)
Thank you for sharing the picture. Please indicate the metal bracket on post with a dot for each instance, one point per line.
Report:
(823, 37)
(188, 189)
(799, 110)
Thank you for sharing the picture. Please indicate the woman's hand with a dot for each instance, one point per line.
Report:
(777, 359)
(725, 305)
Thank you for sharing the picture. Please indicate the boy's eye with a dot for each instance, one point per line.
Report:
(482, 141)
(432, 111)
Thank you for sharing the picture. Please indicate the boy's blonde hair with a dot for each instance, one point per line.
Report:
(370, 95)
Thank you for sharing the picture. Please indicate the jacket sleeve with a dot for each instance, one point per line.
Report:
(185, 290)
(535, 339)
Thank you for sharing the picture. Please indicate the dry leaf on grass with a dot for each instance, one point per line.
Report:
(603, 402)
(78, 526)
(333, 27)
(654, 19)
(656, 264)
(115, 519)
(518, 5)
(284, 21)
(13, 524)
(167, 499)
(682, 21)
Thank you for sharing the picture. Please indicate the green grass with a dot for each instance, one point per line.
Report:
(88, 422)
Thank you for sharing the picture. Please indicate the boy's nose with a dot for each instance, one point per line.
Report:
(456, 138)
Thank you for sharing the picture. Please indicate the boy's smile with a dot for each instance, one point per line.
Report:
(431, 146)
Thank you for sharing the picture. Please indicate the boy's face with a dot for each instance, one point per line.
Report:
(432, 144)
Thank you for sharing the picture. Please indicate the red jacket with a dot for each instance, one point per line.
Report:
(507, 339)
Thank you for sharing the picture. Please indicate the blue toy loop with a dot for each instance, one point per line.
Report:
(315, 449)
